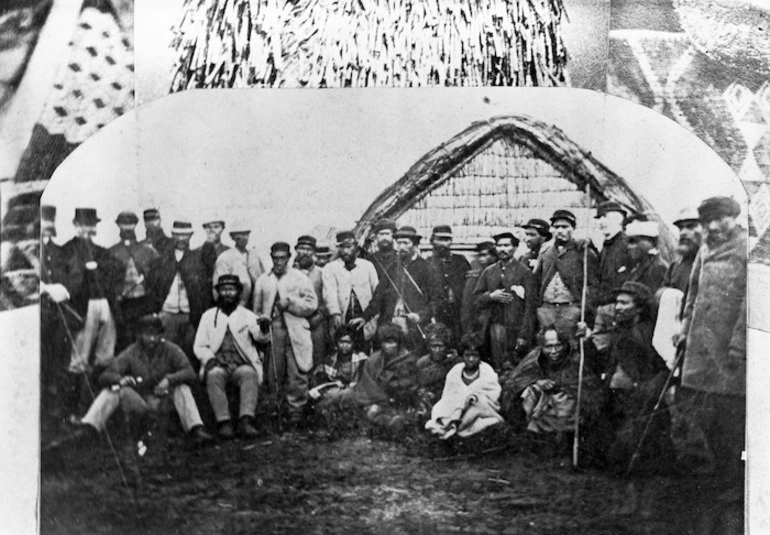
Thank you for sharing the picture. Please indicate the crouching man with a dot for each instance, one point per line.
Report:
(142, 379)
(225, 344)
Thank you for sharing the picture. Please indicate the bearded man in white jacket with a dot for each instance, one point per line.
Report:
(225, 344)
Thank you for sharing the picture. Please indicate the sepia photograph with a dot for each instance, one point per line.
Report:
(431, 310)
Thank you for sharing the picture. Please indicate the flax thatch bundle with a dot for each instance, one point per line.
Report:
(356, 43)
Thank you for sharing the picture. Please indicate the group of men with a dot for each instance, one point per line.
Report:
(133, 311)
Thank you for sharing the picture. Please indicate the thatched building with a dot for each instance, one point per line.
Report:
(499, 173)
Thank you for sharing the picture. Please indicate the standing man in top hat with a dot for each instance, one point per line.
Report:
(154, 234)
(92, 279)
(135, 259)
(508, 291)
(286, 298)
(409, 292)
(181, 289)
(648, 268)
(53, 342)
(348, 286)
(713, 388)
(560, 275)
(614, 268)
(451, 270)
(242, 261)
(538, 232)
(213, 246)
(385, 255)
(690, 241)
(305, 262)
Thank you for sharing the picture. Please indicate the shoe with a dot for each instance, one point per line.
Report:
(246, 428)
(200, 437)
(225, 430)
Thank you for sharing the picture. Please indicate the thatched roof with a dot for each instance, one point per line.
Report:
(546, 141)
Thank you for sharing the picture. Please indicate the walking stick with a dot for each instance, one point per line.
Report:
(576, 439)
(661, 397)
(275, 379)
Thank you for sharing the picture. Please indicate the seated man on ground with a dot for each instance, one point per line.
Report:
(434, 366)
(145, 377)
(542, 390)
(470, 400)
(333, 381)
(388, 383)
(225, 344)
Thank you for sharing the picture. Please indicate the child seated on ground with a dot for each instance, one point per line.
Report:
(434, 366)
(470, 400)
(333, 381)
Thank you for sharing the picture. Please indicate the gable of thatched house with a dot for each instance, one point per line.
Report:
(498, 174)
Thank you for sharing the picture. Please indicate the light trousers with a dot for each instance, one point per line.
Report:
(98, 336)
(245, 377)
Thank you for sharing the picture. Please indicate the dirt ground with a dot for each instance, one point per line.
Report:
(350, 481)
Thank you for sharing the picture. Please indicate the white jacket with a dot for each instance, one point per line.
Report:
(245, 331)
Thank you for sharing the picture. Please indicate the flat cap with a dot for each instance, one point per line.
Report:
(717, 208)
(564, 215)
(442, 231)
(609, 206)
(485, 246)
(407, 232)
(507, 234)
(384, 224)
(280, 247)
(307, 240)
(228, 278)
(540, 226)
(686, 215)
(213, 221)
(150, 324)
(150, 214)
(345, 236)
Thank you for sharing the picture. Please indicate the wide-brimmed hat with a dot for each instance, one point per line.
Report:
(609, 206)
(229, 279)
(127, 218)
(687, 215)
(717, 208)
(182, 227)
(307, 240)
(540, 226)
(407, 232)
(213, 221)
(442, 231)
(86, 216)
(564, 215)
(384, 224)
(643, 229)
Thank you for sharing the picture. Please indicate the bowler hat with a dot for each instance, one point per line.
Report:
(48, 212)
(442, 231)
(280, 247)
(384, 224)
(717, 208)
(509, 235)
(86, 216)
(150, 324)
(564, 215)
(609, 206)
(323, 250)
(230, 279)
(213, 221)
(345, 236)
(539, 226)
(407, 232)
(151, 214)
(307, 240)
(687, 215)
(182, 227)
(127, 218)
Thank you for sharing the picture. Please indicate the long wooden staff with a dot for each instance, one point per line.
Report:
(576, 440)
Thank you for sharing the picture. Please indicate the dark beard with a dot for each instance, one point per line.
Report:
(128, 234)
(305, 262)
(227, 305)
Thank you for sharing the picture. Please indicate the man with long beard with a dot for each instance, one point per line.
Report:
(135, 259)
(385, 255)
(225, 344)
(305, 262)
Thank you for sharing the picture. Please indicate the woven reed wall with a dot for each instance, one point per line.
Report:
(502, 186)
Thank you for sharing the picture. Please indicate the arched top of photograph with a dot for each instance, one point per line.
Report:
(290, 163)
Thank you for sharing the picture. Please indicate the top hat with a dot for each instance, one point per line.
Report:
(86, 216)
